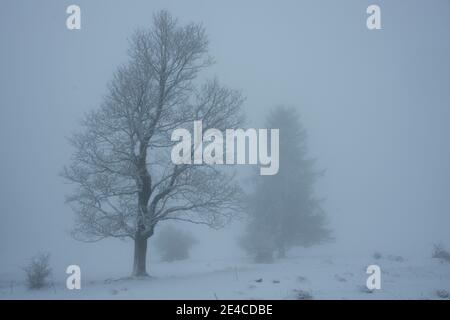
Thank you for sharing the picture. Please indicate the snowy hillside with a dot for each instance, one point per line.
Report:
(317, 277)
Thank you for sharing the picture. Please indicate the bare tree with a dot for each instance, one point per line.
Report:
(125, 180)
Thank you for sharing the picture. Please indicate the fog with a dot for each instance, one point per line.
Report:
(376, 105)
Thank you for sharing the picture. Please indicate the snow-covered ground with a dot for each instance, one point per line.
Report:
(321, 276)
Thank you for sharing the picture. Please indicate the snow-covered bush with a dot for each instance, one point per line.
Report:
(173, 244)
(38, 271)
(377, 255)
(443, 294)
(302, 295)
(440, 253)
(258, 243)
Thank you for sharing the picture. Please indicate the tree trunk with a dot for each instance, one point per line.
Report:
(140, 257)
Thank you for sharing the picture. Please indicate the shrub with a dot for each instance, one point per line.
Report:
(443, 294)
(258, 244)
(173, 244)
(440, 253)
(302, 295)
(377, 256)
(38, 271)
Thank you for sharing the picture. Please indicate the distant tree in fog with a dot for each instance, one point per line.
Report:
(283, 209)
(174, 244)
(125, 182)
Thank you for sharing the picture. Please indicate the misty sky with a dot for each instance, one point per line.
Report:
(376, 105)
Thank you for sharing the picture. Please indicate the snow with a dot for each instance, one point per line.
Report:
(320, 276)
